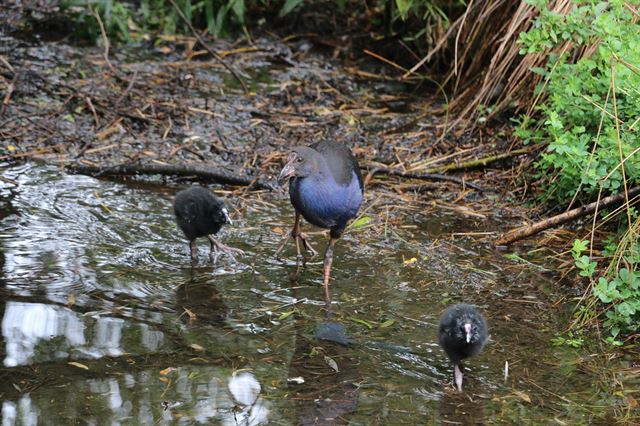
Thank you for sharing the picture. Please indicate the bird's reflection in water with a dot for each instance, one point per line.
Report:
(460, 408)
(324, 375)
(198, 302)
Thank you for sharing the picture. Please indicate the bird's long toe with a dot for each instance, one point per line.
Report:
(217, 248)
(307, 246)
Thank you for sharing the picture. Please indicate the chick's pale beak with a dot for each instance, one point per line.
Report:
(288, 171)
(225, 212)
(467, 330)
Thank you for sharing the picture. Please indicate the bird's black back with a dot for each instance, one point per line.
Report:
(452, 337)
(340, 160)
(198, 212)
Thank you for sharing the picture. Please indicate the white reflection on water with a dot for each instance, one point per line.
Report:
(25, 325)
(196, 399)
(27, 328)
(23, 413)
(245, 390)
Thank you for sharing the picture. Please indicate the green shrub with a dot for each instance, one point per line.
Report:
(160, 16)
(583, 154)
(593, 54)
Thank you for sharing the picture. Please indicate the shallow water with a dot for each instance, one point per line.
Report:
(104, 321)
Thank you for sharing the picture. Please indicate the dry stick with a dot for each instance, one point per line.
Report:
(104, 36)
(565, 217)
(480, 162)
(424, 176)
(208, 49)
(434, 172)
(214, 175)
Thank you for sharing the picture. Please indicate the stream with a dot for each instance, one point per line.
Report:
(105, 321)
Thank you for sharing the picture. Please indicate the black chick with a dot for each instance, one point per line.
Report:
(462, 334)
(199, 213)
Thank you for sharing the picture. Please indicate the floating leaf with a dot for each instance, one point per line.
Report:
(77, 364)
(285, 315)
(196, 347)
(331, 363)
(364, 220)
(388, 323)
(166, 371)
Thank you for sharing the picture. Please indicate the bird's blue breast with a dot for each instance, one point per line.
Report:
(325, 203)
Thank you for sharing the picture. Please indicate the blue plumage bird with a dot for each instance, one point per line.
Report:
(462, 333)
(325, 187)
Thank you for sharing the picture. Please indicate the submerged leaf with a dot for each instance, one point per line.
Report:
(77, 364)
(362, 322)
(387, 323)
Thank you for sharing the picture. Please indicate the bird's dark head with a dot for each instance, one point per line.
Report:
(221, 215)
(467, 329)
(302, 162)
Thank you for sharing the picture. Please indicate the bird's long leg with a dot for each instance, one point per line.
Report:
(194, 251)
(326, 273)
(298, 237)
(457, 375)
(217, 247)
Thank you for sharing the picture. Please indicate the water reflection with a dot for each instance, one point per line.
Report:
(35, 332)
(25, 326)
(251, 409)
(199, 302)
(324, 375)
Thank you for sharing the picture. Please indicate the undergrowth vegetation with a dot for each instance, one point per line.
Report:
(590, 121)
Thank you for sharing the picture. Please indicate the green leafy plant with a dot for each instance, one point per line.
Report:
(119, 17)
(578, 118)
(582, 262)
(620, 293)
(572, 340)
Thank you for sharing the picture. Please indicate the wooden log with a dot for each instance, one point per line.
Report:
(557, 220)
(207, 173)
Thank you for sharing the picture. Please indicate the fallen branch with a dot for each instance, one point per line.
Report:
(480, 162)
(423, 176)
(527, 231)
(206, 173)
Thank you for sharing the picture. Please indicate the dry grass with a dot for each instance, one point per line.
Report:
(487, 67)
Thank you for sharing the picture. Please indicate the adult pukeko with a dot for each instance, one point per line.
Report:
(325, 187)
(199, 213)
(462, 334)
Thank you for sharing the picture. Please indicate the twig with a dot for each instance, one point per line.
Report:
(215, 175)
(7, 96)
(527, 231)
(209, 49)
(480, 162)
(424, 176)
(105, 39)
